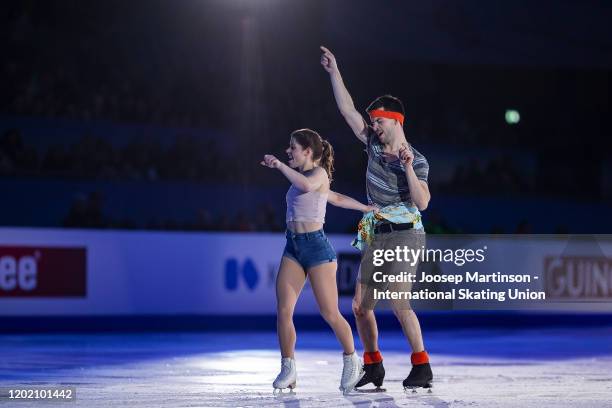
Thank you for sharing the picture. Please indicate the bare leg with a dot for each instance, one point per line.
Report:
(366, 322)
(402, 308)
(289, 283)
(411, 328)
(323, 281)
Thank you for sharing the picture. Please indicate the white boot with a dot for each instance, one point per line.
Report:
(287, 376)
(352, 371)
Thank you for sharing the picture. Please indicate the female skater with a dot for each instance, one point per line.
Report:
(308, 252)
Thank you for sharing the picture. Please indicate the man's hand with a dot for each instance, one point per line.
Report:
(328, 60)
(406, 155)
(271, 161)
(343, 98)
(357, 309)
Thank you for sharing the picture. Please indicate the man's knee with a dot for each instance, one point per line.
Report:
(402, 313)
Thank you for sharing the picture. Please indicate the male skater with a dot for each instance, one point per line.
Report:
(396, 181)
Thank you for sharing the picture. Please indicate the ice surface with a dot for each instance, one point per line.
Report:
(556, 368)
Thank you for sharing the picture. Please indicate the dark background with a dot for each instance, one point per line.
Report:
(155, 114)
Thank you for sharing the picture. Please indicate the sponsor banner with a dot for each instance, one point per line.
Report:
(165, 273)
(171, 273)
(578, 277)
(36, 271)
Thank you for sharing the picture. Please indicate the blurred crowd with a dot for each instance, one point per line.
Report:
(87, 63)
(87, 211)
(190, 158)
(497, 175)
(95, 158)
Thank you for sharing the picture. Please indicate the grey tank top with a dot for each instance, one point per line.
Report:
(386, 182)
(305, 206)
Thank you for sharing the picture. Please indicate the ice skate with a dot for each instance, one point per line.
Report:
(420, 377)
(352, 372)
(374, 373)
(287, 377)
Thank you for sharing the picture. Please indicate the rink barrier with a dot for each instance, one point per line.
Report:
(239, 323)
(84, 274)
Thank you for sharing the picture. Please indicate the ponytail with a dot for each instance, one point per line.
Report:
(327, 158)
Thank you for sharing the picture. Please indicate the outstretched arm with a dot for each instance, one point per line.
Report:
(343, 201)
(311, 182)
(342, 96)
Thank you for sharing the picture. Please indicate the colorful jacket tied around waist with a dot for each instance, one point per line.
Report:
(394, 213)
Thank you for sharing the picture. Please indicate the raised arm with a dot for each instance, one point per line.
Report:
(343, 201)
(312, 182)
(343, 98)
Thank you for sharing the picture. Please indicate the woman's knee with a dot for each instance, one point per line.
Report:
(331, 316)
(284, 313)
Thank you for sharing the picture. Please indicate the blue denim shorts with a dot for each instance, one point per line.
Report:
(309, 249)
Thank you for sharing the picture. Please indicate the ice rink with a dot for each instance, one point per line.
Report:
(472, 368)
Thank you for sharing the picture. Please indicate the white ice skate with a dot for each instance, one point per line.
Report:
(287, 376)
(352, 371)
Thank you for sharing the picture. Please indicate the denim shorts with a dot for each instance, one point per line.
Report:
(309, 249)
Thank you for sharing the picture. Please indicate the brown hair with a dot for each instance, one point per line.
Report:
(389, 103)
(322, 150)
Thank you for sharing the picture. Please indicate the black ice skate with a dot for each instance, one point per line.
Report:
(420, 377)
(374, 373)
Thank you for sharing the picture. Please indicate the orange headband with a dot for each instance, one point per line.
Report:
(377, 113)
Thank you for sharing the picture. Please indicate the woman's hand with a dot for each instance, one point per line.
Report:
(271, 161)
(374, 208)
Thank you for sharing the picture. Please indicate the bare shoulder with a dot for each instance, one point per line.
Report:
(321, 176)
(318, 172)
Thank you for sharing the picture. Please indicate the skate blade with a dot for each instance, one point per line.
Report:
(279, 391)
(414, 388)
(347, 390)
(370, 390)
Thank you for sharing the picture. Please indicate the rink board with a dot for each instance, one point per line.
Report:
(144, 273)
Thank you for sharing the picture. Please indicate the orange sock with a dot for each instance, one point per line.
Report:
(419, 358)
(371, 357)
